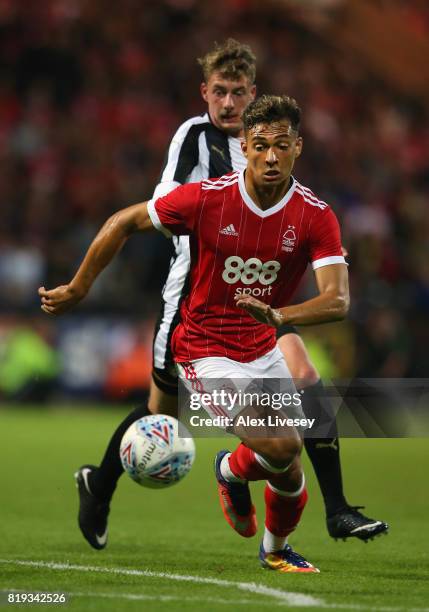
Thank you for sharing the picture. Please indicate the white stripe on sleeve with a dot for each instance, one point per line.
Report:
(327, 261)
(155, 219)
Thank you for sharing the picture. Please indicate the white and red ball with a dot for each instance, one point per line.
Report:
(153, 454)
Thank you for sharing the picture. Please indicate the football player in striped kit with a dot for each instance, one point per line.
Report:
(209, 146)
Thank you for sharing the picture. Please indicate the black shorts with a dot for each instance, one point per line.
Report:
(286, 329)
(164, 373)
(165, 381)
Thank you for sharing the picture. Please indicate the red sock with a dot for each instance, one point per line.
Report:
(244, 464)
(282, 513)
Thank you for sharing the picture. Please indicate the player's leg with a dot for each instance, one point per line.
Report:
(257, 458)
(285, 499)
(277, 462)
(102, 481)
(324, 453)
(96, 484)
(162, 401)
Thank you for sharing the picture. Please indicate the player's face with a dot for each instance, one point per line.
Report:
(227, 100)
(271, 150)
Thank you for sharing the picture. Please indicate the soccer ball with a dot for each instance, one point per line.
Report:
(153, 454)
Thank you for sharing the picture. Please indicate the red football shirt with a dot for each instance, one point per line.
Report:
(237, 248)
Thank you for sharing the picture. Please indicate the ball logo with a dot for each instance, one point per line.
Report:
(146, 456)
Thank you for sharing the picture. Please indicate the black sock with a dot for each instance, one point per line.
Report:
(324, 453)
(102, 481)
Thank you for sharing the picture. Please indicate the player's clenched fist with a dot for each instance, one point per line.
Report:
(259, 310)
(59, 300)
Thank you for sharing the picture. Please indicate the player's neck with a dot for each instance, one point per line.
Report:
(266, 196)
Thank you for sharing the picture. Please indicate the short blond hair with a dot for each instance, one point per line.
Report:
(232, 59)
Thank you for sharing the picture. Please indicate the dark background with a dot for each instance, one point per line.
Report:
(90, 96)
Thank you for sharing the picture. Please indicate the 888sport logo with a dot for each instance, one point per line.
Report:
(250, 271)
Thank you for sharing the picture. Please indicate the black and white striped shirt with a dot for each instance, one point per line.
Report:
(198, 150)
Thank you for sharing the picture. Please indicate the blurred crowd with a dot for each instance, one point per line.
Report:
(90, 96)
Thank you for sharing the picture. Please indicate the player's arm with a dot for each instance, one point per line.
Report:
(332, 303)
(102, 250)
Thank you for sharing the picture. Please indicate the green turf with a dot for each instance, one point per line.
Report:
(181, 530)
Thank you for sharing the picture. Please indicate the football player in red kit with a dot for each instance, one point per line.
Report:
(206, 146)
(252, 235)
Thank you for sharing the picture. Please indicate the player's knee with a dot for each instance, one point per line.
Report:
(298, 360)
(306, 375)
(292, 479)
(281, 452)
(296, 476)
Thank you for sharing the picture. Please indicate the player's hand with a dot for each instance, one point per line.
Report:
(259, 310)
(59, 300)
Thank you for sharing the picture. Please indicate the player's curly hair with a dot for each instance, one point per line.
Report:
(268, 109)
(232, 59)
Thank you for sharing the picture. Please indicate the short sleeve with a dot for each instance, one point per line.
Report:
(175, 212)
(325, 239)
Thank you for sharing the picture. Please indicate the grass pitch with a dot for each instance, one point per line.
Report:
(172, 549)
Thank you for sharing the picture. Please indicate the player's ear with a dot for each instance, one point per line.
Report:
(298, 146)
(204, 91)
(253, 92)
(244, 146)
